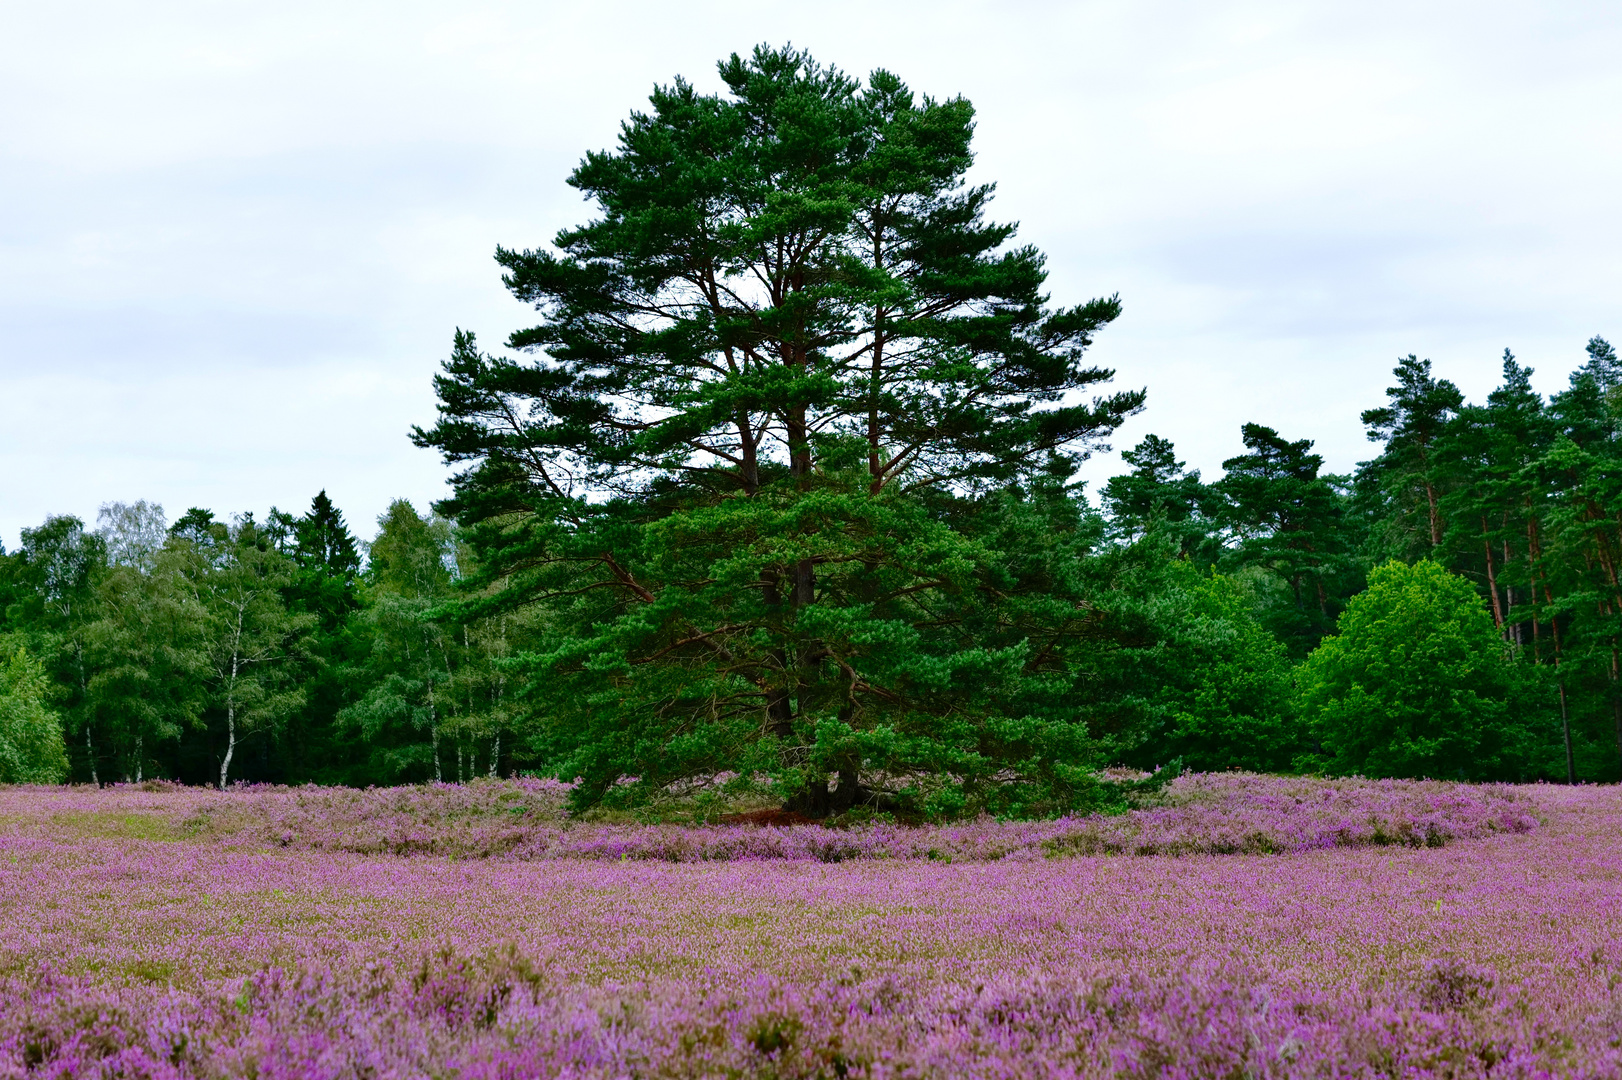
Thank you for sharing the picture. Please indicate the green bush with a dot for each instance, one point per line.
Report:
(1416, 682)
(1198, 678)
(31, 748)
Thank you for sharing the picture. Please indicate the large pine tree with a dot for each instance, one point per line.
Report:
(793, 401)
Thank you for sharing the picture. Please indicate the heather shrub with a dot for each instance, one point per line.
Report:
(525, 820)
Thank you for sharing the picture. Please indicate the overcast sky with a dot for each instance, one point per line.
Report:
(236, 238)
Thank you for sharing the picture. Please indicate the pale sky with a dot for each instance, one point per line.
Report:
(236, 238)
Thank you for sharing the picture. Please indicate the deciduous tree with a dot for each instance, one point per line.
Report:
(1418, 682)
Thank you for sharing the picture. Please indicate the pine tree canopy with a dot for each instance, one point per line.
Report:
(792, 401)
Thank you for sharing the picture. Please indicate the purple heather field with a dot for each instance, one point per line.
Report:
(1244, 927)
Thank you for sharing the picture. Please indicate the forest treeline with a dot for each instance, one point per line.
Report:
(287, 650)
(778, 500)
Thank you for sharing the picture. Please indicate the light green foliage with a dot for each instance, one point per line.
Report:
(252, 644)
(31, 747)
(54, 580)
(145, 657)
(407, 668)
(1417, 682)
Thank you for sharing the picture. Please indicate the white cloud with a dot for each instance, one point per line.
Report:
(238, 237)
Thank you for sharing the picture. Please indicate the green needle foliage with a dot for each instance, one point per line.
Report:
(788, 474)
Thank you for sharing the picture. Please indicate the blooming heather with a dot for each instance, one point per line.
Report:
(1434, 931)
(526, 819)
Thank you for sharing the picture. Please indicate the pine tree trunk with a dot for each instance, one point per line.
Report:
(433, 734)
(1616, 712)
(1492, 578)
(1560, 682)
(1436, 519)
(1616, 701)
(1565, 727)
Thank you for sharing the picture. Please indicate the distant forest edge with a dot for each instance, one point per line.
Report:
(776, 506)
(285, 650)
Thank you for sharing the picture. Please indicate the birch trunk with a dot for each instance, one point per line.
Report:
(230, 724)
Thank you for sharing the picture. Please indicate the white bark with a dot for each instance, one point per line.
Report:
(231, 709)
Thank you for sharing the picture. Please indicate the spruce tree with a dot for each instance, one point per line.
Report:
(327, 584)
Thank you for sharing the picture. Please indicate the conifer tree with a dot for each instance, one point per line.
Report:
(1158, 492)
(788, 379)
(1405, 472)
(1282, 516)
(327, 584)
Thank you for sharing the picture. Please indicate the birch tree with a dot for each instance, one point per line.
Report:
(413, 657)
(253, 643)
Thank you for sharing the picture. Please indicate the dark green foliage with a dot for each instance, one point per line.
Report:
(777, 497)
(1418, 682)
(787, 483)
(326, 584)
(1160, 495)
(324, 544)
(1187, 672)
(1406, 474)
(1529, 511)
(1280, 516)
